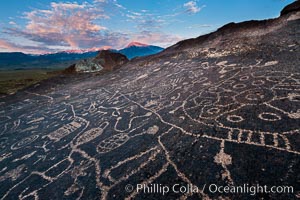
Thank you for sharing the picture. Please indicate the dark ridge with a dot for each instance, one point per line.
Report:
(232, 28)
(291, 8)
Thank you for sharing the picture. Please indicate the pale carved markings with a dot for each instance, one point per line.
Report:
(267, 116)
(13, 174)
(200, 193)
(210, 105)
(24, 142)
(36, 120)
(77, 124)
(3, 143)
(91, 134)
(112, 142)
(120, 163)
(40, 158)
(237, 88)
(150, 158)
(259, 139)
(5, 156)
(270, 63)
(44, 146)
(235, 118)
(10, 127)
(25, 157)
(76, 172)
(147, 115)
(152, 130)
(41, 95)
(224, 159)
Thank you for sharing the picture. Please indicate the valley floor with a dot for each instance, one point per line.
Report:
(13, 80)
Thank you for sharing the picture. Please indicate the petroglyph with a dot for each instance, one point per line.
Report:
(224, 160)
(153, 130)
(13, 174)
(112, 143)
(269, 116)
(25, 157)
(91, 134)
(77, 124)
(4, 156)
(24, 142)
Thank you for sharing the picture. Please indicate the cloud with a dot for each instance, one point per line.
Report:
(134, 15)
(192, 7)
(145, 20)
(6, 46)
(156, 38)
(12, 23)
(150, 24)
(64, 26)
(100, 1)
(67, 24)
(200, 26)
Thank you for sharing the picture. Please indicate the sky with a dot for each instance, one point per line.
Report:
(45, 26)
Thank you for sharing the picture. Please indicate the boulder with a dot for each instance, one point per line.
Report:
(110, 60)
(105, 60)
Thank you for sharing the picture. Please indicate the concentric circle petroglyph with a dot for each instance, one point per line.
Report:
(24, 142)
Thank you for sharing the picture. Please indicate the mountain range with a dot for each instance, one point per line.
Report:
(136, 49)
(18, 60)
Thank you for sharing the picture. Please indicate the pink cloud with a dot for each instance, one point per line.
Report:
(156, 38)
(65, 23)
(77, 26)
(6, 46)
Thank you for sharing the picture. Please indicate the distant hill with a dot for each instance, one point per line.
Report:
(14, 58)
(18, 60)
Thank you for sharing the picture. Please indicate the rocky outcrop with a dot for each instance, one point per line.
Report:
(241, 35)
(110, 60)
(105, 60)
(87, 65)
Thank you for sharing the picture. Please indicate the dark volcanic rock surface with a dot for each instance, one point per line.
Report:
(291, 8)
(223, 110)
